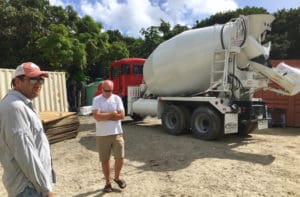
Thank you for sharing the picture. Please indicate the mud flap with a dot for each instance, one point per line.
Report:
(230, 123)
(262, 124)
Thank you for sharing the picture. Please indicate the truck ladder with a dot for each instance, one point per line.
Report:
(219, 71)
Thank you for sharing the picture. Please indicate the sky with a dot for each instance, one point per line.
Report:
(130, 16)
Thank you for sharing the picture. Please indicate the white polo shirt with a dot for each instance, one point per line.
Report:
(108, 127)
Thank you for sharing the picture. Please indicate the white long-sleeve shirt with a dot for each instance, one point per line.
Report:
(24, 147)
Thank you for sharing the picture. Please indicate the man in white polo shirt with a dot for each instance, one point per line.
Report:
(108, 111)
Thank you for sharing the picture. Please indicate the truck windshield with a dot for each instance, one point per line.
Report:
(137, 69)
(125, 69)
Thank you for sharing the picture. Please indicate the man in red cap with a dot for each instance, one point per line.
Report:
(32, 74)
(24, 147)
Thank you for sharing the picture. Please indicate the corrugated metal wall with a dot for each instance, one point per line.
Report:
(53, 95)
(291, 104)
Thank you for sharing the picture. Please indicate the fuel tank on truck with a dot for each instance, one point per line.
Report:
(181, 66)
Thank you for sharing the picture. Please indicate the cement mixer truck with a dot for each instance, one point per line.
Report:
(202, 80)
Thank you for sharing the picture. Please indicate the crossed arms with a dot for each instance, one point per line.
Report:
(114, 115)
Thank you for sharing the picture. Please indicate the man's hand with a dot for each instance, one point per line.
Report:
(116, 115)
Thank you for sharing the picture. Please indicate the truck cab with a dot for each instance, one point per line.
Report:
(124, 72)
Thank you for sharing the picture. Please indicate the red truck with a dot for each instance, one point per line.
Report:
(124, 72)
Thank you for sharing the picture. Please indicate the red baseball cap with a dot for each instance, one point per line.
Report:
(30, 69)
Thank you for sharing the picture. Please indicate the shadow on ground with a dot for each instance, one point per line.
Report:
(98, 193)
(159, 151)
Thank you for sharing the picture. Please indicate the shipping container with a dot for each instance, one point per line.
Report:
(290, 104)
(53, 95)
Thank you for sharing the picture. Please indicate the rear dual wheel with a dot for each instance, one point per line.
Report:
(175, 119)
(206, 123)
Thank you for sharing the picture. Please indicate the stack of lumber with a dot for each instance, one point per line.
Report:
(60, 126)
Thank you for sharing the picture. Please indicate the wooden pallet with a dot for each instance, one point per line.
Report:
(60, 126)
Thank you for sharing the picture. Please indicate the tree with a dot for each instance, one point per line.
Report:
(114, 36)
(20, 26)
(165, 28)
(135, 47)
(222, 18)
(56, 47)
(152, 37)
(286, 34)
(116, 51)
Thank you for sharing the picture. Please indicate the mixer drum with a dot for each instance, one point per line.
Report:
(181, 66)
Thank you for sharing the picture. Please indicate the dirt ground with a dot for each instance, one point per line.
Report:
(157, 164)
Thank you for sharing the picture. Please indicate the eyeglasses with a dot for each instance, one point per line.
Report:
(106, 90)
(35, 80)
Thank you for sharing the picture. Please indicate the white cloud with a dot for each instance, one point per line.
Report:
(56, 2)
(130, 16)
(188, 11)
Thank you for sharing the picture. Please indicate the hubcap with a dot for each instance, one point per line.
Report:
(202, 124)
(172, 120)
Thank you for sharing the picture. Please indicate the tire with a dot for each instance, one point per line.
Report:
(245, 129)
(136, 117)
(206, 124)
(174, 119)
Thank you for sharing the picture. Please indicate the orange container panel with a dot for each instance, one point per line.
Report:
(296, 115)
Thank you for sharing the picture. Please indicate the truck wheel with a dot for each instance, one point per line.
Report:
(245, 129)
(174, 119)
(206, 123)
(137, 118)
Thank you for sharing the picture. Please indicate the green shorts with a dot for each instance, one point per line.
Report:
(108, 144)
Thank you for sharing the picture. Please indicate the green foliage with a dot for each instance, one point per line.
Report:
(115, 36)
(56, 47)
(222, 18)
(115, 51)
(153, 38)
(87, 24)
(135, 47)
(286, 34)
(38, 4)
(19, 27)
(167, 32)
